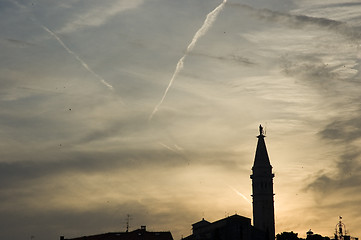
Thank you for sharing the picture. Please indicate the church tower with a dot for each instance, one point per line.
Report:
(262, 189)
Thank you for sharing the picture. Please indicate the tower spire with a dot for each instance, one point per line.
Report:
(262, 188)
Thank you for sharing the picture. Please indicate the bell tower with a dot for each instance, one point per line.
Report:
(262, 189)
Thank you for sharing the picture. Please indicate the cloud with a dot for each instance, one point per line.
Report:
(17, 43)
(343, 179)
(14, 173)
(345, 130)
(335, 5)
(81, 187)
(277, 5)
(79, 172)
(155, 213)
(303, 21)
(310, 69)
(232, 58)
(91, 14)
(27, 171)
(346, 180)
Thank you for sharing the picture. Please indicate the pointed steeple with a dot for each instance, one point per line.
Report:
(262, 189)
(261, 159)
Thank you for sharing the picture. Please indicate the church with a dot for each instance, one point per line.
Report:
(239, 227)
(230, 228)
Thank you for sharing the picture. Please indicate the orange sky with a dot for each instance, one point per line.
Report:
(81, 78)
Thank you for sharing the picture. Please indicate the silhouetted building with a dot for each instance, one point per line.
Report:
(262, 189)
(139, 234)
(229, 228)
(237, 227)
(313, 236)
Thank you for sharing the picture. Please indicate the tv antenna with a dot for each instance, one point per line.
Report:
(128, 222)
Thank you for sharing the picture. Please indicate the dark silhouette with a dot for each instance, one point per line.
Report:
(316, 237)
(235, 227)
(229, 228)
(294, 236)
(287, 236)
(238, 227)
(341, 232)
(139, 234)
(262, 189)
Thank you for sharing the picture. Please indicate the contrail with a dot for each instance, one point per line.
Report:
(208, 22)
(240, 194)
(167, 147)
(84, 64)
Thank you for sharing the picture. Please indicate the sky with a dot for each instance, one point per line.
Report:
(151, 108)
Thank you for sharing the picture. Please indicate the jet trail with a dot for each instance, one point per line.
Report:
(208, 22)
(84, 64)
(240, 194)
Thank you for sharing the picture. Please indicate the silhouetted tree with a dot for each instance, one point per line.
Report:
(316, 237)
(287, 236)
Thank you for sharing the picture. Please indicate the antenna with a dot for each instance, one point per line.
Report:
(128, 222)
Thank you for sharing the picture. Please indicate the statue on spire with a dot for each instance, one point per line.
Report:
(261, 130)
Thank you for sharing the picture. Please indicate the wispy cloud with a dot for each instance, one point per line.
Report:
(232, 58)
(346, 179)
(299, 73)
(300, 21)
(88, 15)
(17, 43)
(345, 130)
